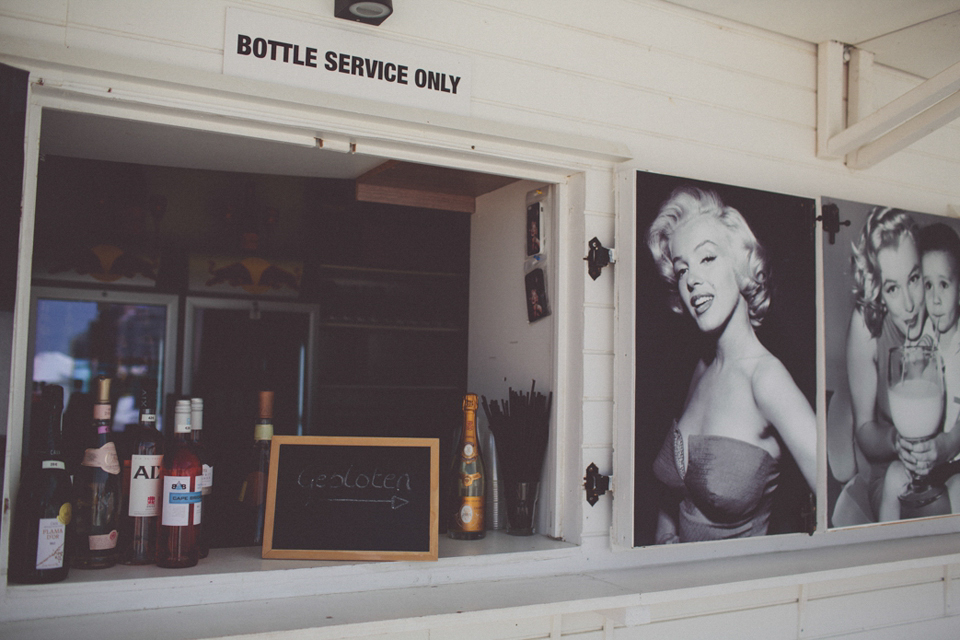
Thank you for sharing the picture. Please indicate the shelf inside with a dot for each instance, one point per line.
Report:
(242, 560)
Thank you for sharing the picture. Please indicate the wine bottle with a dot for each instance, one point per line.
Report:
(206, 463)
(39, 545)
(178, 544)
(97, 489)
(467, 519)
(253, 492)
(76, 423)
(143, 476)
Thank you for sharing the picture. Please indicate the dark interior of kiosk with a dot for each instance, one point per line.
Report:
(370, 297)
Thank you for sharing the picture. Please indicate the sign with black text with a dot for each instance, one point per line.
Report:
(344, 498)
(273, 49)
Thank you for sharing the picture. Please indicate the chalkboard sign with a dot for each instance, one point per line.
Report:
(340, 498)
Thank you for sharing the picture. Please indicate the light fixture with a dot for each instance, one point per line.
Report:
(366, 11)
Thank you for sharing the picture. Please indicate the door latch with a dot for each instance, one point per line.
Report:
(595, 484)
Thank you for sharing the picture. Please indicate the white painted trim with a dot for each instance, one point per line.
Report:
(862, 87)
(920, 126)
(872, 136)
(624, 374)
(632, 595)
(830, 86)
(823, 469)
(569, 202)
(897, 112)
(21, 329)
(227, 97)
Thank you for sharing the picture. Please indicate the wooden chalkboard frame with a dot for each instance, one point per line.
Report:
(308, 553)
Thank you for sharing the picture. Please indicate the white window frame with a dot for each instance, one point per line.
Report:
(210, 102)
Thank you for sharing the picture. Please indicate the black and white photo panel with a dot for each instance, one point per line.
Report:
(891, 307)
(726, 434)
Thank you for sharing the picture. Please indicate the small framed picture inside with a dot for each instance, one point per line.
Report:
(534, 228)
(536, 296)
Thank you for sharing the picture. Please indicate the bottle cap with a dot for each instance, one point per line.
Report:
(266, 405)
(181, 415)
(51, 406)
(263, 431)
(103, 390)
(196, 409)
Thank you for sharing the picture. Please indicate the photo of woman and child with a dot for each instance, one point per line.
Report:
(903, 270)
(726, 349)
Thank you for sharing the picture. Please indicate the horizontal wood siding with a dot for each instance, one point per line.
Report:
(690, 95)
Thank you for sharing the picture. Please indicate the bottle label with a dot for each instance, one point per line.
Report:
(470, 516)
(207, 479)
(469, 450)
(467, 479)
(181, 423)
(52, 464)
(148, 418)
(178, 498)
(105, 457)
(103, 542)
(101, 412)
(253, 491)
(51, 541)
(146, 485)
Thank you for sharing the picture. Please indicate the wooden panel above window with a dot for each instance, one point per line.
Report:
(419, 185)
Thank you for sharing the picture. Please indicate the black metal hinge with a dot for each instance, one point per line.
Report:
(595, 484)
(831, 220)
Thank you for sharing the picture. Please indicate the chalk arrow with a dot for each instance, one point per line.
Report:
(395, 502)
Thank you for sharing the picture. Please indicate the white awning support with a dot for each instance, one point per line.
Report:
(866, 137)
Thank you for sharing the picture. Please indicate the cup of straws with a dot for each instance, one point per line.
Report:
(521, 429)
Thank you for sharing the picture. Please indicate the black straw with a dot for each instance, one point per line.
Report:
(521, 429)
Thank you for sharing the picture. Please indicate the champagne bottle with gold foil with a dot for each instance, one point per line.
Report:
(97, 487)
(467, 522)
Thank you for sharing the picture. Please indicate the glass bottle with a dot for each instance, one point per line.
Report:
(206, 463)
(467, 518)
(76, 422)
(143, 476)
(40, 537)
(253, 492)
(97, 489)
(178, 542)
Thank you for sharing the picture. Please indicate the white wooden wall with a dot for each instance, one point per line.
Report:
(690, 95)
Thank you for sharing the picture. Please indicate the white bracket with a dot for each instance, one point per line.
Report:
(865, 135)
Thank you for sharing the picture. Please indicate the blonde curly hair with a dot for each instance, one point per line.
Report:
(752, 269)
(884, 228)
